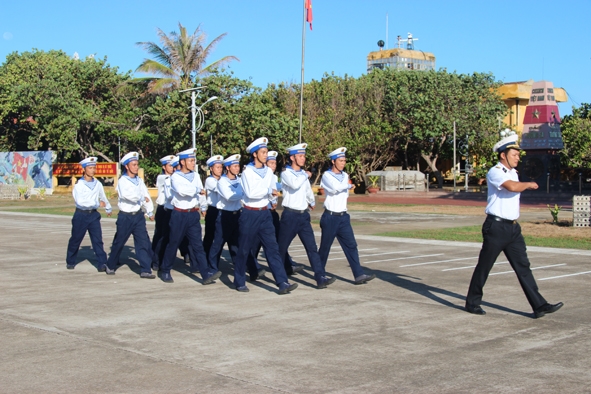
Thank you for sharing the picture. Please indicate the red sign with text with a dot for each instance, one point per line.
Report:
(75, 169)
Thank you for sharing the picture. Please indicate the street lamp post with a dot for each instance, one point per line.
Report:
(196, 124)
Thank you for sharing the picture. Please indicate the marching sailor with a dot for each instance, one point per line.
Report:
(298, 200)
(185, 218)
(161, 217)
(215, 164)
(89, 195)
(335, 221)
(256, 223)
(134, 199)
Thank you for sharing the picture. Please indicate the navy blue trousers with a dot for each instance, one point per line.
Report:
(288, 263)
(226, 231)
(127, 225)
(210, 225)
(503, 237)
(186, 224)
(81, 223)
(339, 227)
(292, 224)
(161, 233)
(257, 226)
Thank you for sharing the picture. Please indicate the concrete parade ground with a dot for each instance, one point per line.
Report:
(80, 331)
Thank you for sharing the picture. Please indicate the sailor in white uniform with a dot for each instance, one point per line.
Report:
(291, 267)
(216, 168)
(134, 199)
(185, 218)
(298, 200)
(89, 195)
(161, 217)
(258, 185)
(502, 233)
(335, 221)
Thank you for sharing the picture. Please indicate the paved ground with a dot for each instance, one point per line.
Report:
(81, 331)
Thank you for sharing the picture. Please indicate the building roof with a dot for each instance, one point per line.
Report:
(388, 53)
(522, 90)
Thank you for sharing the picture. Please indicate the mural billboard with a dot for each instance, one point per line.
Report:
(26, 168)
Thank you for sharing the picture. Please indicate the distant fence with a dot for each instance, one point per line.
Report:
(9, 192)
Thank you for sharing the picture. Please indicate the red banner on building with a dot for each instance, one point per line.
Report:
(75, 169)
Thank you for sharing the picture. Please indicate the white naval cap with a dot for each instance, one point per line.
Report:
(89, 161)
(166, 159)
(509, 141)
(214, 160)
(174, 161)
(339, 152)
(272, 155)
(187, 154)
(297, 149)
(131, 156)
(257, 144)
(234, 159)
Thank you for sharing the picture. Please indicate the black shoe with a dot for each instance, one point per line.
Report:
(242, 289)
(297, 268)
(364, 279)
(477, 310)
(285, 287)
(147, 275)
(102, 268)
(70, 266)
(325, 281)
(212, 278)
(155, 267)
(547, 308)
(109, 271)
(166, 277)
(261, 274)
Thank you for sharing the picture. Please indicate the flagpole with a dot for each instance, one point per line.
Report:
(302, 80)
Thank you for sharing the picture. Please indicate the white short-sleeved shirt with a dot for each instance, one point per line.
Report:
(501, 202)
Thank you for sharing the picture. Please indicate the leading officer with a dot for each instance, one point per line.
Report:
(502, 233)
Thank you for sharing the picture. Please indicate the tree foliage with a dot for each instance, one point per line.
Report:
(576, 135)
(180, 59)
(50, 101)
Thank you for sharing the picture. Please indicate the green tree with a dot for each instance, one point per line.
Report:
(576, 134)
(50, 101)
(180, 59)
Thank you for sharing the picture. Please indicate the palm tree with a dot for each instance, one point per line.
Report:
(180, 59)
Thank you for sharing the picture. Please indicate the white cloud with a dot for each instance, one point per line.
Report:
(7, 36)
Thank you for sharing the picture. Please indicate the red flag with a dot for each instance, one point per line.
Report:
(309, 16)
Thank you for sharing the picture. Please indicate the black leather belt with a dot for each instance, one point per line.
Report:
(294, 210)
(499, 219)
(335, 213)
(85, 210)
(129, 213)
(231, 212)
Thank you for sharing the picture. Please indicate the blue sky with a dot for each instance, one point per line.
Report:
(515, 40)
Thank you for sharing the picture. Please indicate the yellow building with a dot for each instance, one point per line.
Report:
(401, 59)
(516, 95)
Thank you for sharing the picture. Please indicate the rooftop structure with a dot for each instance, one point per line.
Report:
(401, 58)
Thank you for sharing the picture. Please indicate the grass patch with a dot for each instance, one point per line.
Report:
(567, 239)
